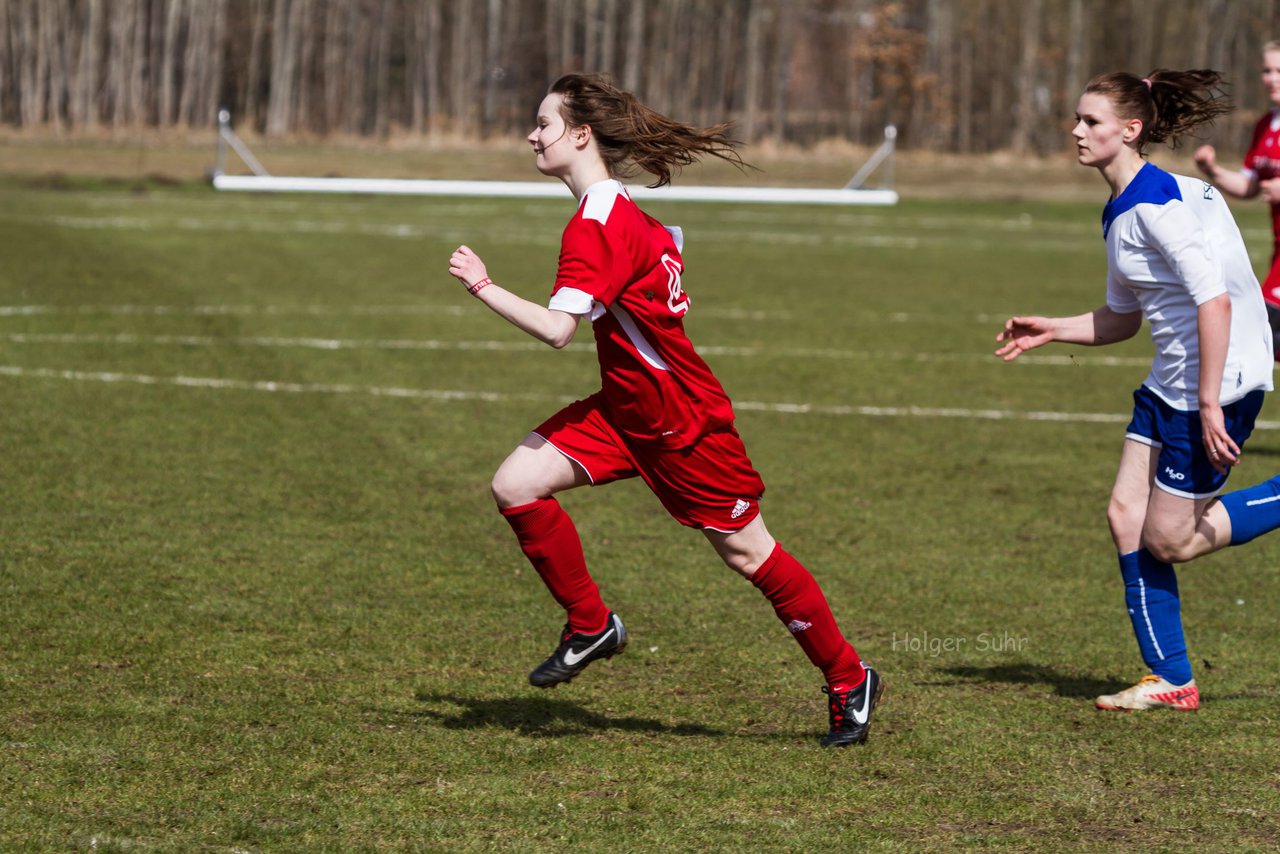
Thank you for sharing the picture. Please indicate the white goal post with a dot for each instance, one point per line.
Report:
(853, 193)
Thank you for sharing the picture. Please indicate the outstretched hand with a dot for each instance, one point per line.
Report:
(1023, 333)
(465, 265)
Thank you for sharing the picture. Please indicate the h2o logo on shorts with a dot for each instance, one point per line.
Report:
(1174, 475)
(677, 299)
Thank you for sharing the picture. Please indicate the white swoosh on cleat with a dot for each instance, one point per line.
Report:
(861, 715)
(571, 658)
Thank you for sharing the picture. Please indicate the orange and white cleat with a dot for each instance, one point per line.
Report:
(1153, 692)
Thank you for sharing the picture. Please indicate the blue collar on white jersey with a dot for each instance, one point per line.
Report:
(1152, 185)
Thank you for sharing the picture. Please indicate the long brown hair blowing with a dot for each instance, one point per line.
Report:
(1169, 103)
(628, 133)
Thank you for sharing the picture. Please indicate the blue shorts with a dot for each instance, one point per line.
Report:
(1183, 467)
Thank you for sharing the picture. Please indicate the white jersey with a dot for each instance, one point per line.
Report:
(1172, 245)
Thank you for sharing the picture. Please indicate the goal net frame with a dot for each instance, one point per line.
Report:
(853, 193)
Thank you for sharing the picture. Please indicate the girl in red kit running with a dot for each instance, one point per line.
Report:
(660, 413)
(1259, 177)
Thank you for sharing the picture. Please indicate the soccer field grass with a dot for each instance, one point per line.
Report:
(255, 595)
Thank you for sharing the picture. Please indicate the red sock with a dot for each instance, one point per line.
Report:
(798, 601)
(550, 541)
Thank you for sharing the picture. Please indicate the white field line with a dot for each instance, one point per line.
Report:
(991, 235)
(446, 395)
(893, 236)
(260, 341)
(268, 385)
(399, 231)
(198, 209)
(453, 310)
(418, 309)
(334, 344)
(232, 310)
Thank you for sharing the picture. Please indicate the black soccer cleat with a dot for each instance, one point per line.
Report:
(577, 650)
(851, 711)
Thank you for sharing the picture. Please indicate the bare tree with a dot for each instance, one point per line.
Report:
(52, 73)
(253, 77)
(753, 69)
(781, 88)
(379, 60)
(7, 93)
(591, 34)
(971, 75)
(197, 22)
(416, 65)
(609, 35)
(283, 52)
(83, 103)
(932, 83)
(1076, 47)
(461, 95)
(492, 54)
(119, 63)
(1025, 117)
(30, 76)
(435, 90)
(168, 72)
(635, 42)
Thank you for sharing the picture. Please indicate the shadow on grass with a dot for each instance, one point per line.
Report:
(545, 717)
(1064, 684)
(1079, 687)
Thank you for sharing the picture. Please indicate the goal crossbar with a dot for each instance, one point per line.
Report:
(261, 181)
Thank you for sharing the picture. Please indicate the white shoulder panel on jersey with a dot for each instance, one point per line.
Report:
(677, 235)
(597, 201)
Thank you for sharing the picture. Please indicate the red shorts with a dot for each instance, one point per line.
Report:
(709, 484)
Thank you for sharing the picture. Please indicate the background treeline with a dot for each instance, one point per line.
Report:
(959, 75)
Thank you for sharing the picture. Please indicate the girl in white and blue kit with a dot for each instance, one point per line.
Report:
(1174, 256)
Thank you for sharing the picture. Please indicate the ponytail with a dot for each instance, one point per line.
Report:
(1169, 104)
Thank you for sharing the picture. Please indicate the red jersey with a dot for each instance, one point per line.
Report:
(621, 267)
(1263, 157)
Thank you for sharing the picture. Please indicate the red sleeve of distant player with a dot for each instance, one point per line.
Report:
(591, 261)
(1255, 145)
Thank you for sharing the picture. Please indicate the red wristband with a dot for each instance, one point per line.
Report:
(479, 286)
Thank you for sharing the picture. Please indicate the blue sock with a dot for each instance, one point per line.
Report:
(1253, 511)
(1151, 592)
